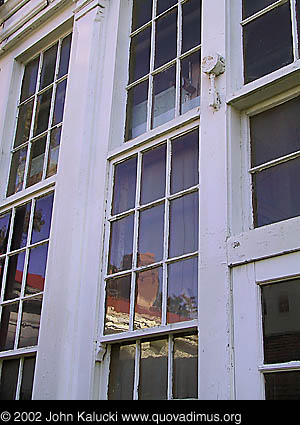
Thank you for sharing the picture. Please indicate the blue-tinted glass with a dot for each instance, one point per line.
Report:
(121, 245)
(42, 218)
(124, 185)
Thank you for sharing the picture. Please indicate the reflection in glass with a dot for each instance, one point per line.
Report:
(121, 245)
(30, 324)
(117, 304)
(142, 13)
(42, 218)
(163, 97)
(252, 6)
(140, 55)
(17, 170)
(53, 152)
(182, 290)
(36, 271)
(265, 48)
(190, 82)
(154, 370)
(153, 174)
(8, 326)
(275, 193)
(4, 231)
(185, 367)
(136, 110)
(27, 378)
(151, 235)
(21, 224)
(281, 321)
(275, 132)
(148, 298)
(24, 123)
(184, 222)
(14, 276)
(64, 56)
(191, 24)
(124, 185)
(36, 162)
(163, 5)
(29, 79)
(185, 159)
(42, 112)
(9, 379)
(121, 365)
(282, 385)
(48, 68)
(166, 38)
(59, 102)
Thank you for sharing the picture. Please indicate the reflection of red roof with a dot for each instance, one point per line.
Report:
(35, 281)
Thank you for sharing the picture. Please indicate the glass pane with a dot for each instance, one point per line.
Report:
(27, 378)
(154, 370)
(65, 56)
(4, 231)
(121, 245)
(53, 154)
(24, 123)
(17, 170)
(29, 79)
(136, 110)
(275, 193)
(42, 218)
(151, 235)
(59, 102)
(252, 6)
(163, 5)
(281, 324)
(36, 272)
(121, 374)
(30, 324)
(153, 174)
(21, 224)
(148, 299)
(182, 290)
(164, 97)
(124, 185)
(275, 133)
(190, 82)
(185, 367)
(185, 160)
(42, 112)
(166, 38)
(191, 21)
(142, 13)
(14, 276)
(117, 305)
(184, 220)
(36, 161)
(140, 55)
(9, 379)
(265, 48)
(8, 325)
(282, 386)
(48, 68)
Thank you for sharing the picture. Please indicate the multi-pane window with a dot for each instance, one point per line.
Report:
(40, 115)
(266, 48)
(157, 368)
(16, 380)
(281, 338)
(24, 240)
(275, 162)
(164, 68)
(151, 280)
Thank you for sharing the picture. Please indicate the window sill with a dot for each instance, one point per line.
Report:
(266, 87)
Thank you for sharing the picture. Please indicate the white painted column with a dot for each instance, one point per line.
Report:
(65, 363)
(214, 295)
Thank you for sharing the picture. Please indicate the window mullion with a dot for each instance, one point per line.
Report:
(19, 381)
(137, 370)
(170, 367)
(178, 62)
(294, 29)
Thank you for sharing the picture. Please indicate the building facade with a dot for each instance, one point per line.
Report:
(149, 215)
